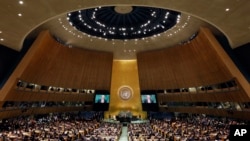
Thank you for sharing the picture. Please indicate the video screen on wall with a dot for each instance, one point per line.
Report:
(148, 98)
(102, 98)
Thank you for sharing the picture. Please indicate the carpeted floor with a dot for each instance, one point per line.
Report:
(124, 135)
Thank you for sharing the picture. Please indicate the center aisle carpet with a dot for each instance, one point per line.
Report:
(124, 135)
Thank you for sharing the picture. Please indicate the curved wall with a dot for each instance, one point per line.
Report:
(57, 65)
(189, 65)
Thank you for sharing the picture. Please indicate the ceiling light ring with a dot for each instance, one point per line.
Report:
(92, 19)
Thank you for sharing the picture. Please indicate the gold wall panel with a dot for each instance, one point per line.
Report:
(125, 74)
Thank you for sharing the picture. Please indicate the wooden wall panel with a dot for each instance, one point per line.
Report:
(20, 95)
(33, 111)
(61, 66)
(182, 66)
(244, 84)
(49, 63)
(209, 111)
(234, 96)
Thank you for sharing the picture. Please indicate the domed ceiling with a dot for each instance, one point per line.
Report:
(123, 22)
(123, 30)
(122, 27)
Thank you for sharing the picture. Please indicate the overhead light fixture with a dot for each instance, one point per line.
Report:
(20, 2)
(135, 23)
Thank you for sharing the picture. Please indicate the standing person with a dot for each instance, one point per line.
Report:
(148, 99)
(102, 99)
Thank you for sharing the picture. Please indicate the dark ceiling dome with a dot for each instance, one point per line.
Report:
(123, 22)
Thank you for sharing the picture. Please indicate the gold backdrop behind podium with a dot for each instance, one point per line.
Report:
(125, 90)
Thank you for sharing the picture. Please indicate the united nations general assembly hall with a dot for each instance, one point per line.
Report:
(121, 70)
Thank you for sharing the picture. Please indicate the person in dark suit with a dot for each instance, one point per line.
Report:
(148, 99)
(102, 99)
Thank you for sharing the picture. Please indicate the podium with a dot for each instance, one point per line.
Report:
(124, 116)
(124, 119)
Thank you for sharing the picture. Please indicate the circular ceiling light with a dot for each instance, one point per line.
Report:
(123, 22)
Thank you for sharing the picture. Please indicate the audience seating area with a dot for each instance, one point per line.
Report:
(75, 127)
(190, 128)
(195, 128)
(143, 132)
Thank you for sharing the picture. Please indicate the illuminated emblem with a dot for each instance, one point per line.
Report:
(125, 92)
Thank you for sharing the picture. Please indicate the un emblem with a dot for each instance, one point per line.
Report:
(125, 92)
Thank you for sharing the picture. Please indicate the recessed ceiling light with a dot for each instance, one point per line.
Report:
(1, 39)
(1, 32)
(227, 9)
(20, 2)
(19, 14)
